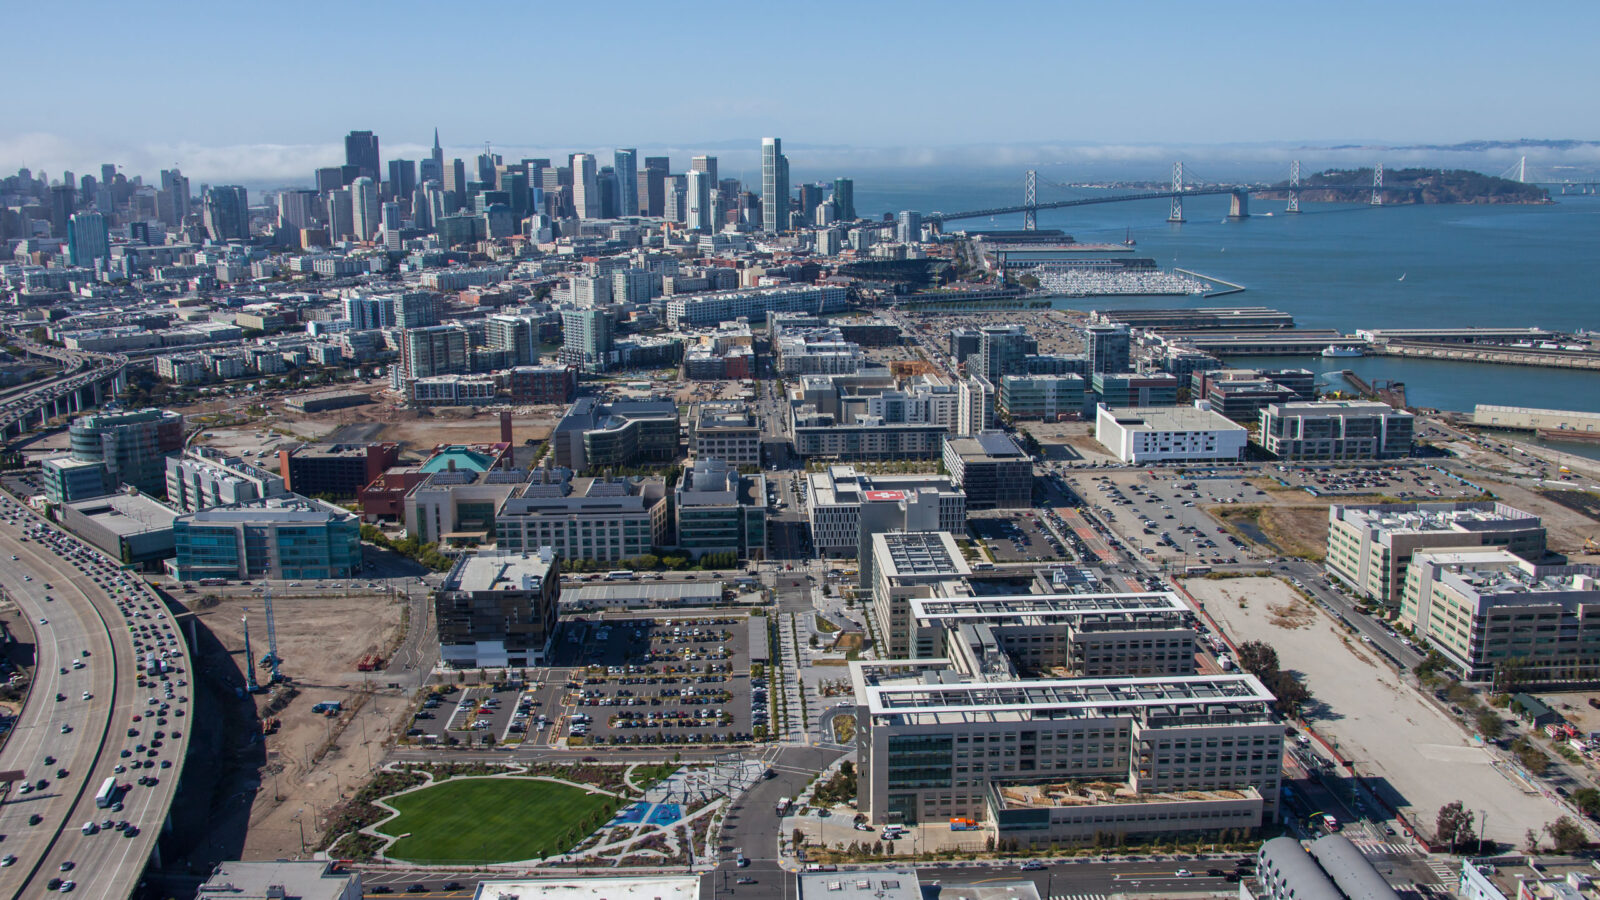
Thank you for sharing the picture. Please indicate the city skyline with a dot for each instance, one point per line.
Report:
(1232, 80)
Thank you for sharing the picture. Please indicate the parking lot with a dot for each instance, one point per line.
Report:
(1018, 536)
(682, 679)
(1408, 482)
(1163, 514)
(505, 714)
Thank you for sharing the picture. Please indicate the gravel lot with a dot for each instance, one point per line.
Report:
(1390, 731)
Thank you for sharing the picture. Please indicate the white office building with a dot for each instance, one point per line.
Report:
(1154, 434)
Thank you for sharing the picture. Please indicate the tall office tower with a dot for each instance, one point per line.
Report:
(432, 168)
(455, 184)
(1108, 348)
(586, 338)
(826, 214)
(361, 151)
(702, 203)
(653, 193)
(676, 206)
(341, 215)
(428, 198)
(402, 178)
(811, 197)
(108, 173)
(774, 186)
(908, 229)
(606, 181)
(844, 198)
(364, 208)
(63, 203)
(297, 208)
(626, 163)
(514, 182)
(172, 204)
(585, 186)
(392, 224)
(227, 213)
(87, 239)
(486, 170)
(330, 179)
(706, 164)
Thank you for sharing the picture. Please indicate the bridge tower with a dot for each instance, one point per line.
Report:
(1294, 187)
(1030, 199)
(1176, 215)
(1377, 185)
(1522, 170)
(1239, 206)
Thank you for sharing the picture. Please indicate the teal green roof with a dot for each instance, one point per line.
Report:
(463, 458)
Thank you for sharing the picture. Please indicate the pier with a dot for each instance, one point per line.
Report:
(1507, 356)
(1231, 287)
(1390, 392)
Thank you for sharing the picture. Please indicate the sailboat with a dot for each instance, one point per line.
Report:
(1128, 240)
(1402, 277)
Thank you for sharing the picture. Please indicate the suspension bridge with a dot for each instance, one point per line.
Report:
(1569, 179)
(1238, 208)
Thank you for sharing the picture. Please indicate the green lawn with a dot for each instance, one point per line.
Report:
(488, 820)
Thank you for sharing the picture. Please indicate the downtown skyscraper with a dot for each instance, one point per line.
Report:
(361, 151)
(585, 186)
(626, 164)
(774, 186)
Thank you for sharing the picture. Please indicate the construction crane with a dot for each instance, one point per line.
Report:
(253, 686)
(272, 638)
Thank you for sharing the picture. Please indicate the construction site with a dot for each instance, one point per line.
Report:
(323, 707)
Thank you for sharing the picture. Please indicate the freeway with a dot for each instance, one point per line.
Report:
(93, 604)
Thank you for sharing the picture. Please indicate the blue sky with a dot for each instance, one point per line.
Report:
(268, 89)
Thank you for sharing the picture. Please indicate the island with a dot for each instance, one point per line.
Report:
(1408, 186)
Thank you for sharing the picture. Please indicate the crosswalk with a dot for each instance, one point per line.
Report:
(1079, 897)
(1370, 847)
(1446, 872)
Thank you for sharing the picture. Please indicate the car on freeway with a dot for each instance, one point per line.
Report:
(1033, 865)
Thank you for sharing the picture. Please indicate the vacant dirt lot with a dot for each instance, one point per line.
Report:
(312, 758)
(1294, 530)
(1392, 734)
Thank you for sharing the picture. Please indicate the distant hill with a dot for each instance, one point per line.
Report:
(1406, 186)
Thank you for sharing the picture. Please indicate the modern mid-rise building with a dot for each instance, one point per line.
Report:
(203, 477)
(586, 518)
(1130, 389)
(288, 537)
(838, 494)
(1047, 397)
(131, 446)
(994, 472)
(712, 308)
(725, 430)
(334, 470)
(67, 479)
(1169, 434)
(1487, 609)
(718, 510)
(594, 435)
(1047, 760)
(1336, 429)
(498, 609)
(435, 350)
(1369, 547)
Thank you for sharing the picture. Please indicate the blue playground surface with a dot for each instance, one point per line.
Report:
(665, 814)
(633, 815)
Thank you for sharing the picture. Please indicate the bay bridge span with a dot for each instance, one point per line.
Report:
(1239, 208)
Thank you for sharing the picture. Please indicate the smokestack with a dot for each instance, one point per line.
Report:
(505, 426)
